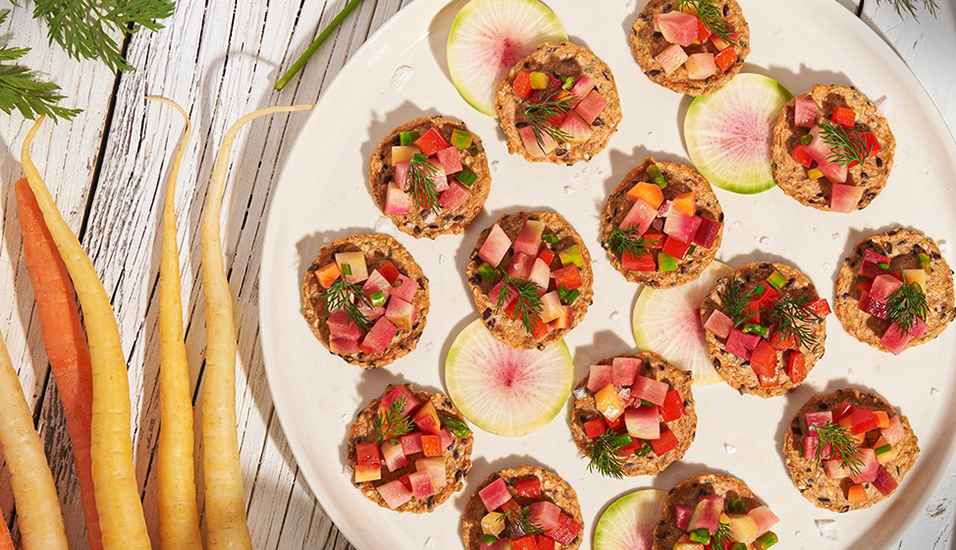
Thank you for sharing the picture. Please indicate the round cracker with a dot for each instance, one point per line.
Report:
(571, 60)
(687, 493)
(809, 475)
(736, 371)
(684, 428)
(378, 249)
(680, 179)
(457, 458)
(792, 178)
(511, 331)
(647, 44)
(901, 246)
(422, 223)
(553, 489)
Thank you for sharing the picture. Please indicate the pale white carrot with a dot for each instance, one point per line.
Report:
(178, 510)
(122, 522)
(225, 518)
(38, 508)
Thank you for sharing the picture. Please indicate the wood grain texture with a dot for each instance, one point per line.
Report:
(219, 60)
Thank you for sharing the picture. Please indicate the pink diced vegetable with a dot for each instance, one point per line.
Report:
(681, 226)
(844, 198)
(343, 346)
(494, 494)
(400, 313)
(700, 66)
(677, 27)
(545, 514)
(650, 390)
(884, 286)
(394, 493)
(895, 432)
(707, 232)
(394, 455)
(411, 443)
(452, 198)
(404, 288)
(380, 336)
(625, 369)
(682, 516)
(870, 267)
(719, 324)
(764, 518)
(672, 58)
(643, 422)
(495, 246)
(449, 159)
(398, 394)
(870, 466)
(520, 265)
(804, 112)
(421, 484)
(884, 482)
(600, 376)
(540, 275)
(741, 344)
(531, 143)
(401, 173)
(529, 238)
(591, 106)
(640, 216)
(340, 326)
(575, 128)
(397, 202)
(582, 87)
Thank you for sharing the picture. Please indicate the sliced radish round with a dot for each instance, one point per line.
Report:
(489, 37)
(667, 322)
(503, 390)
(628, 523)
(728, 133)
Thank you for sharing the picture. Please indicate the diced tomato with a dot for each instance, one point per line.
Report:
(862, 420)
(654, 240)
(843, 116)
(431, 445)
(522, 84)
(770, 294)
(753, 309)
(595, 428)
(642, 262)
(546, 255)
(634, 445)
(367, 454)
(524, 543)
(800, 155)
(781, 342)
(842, 410)
(703, 33)
(510, 505)
(673, 407)
(820, 307)
(568, 277)
(726, 58)
(545, 543)
(796, 367)
(666, 442)
(869, 138)
(764, 360)
(431, 142)
(389, 271)
(675, 247)
(530, 488)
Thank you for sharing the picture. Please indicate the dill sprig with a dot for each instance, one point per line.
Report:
(735, 299)
(846, 146)
(552, 103)
(907, 304)
(722, 538)
(520, 522)
(912, 7)
(349, 297)
(528, 303)
(421, 183)
(711, 17)
(628, 241)
(603, 454)
(793, 318)
(843, 443)
(393, 422)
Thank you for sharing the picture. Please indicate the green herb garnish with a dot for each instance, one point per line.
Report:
(906, 305)
(736, 300)
(528, 303)
(393, 422)
(603, 455)
(520, 523)
(711, 17)
(421, 183)
(722, 538)
(843, 444)
(792, 318)
(628, 241)
(348, 297)
(913, 6)
(552, 103)
(457, 427)
(846, 146)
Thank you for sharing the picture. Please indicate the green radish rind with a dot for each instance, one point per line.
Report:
(746, 180)
(628, 523)
(552, 30)
(535, 411)
(653, 332)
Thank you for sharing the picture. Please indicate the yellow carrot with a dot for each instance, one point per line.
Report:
(38, 508)
(226, 526)
(178, 510)
(114, 479)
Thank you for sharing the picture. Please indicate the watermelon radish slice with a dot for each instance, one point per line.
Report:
(628, 523)
(489, 37)
(728, 133)
(668, 322)
(503, 390)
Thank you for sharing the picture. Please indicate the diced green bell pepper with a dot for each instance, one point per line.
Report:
(666, 263)
(489, 273)
(461, 139)
(407, 138)
(571, 255)
(700, 535)
(777, 280)
(466, 177)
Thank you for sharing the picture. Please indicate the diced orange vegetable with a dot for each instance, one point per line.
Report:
(609, 403)
(843, 116)
(328, 274)
(685, 203)
(882, 419)
(856, 493)
(431, 445)
(781, 342)
(650, 192)
(522, 84)
(726, 58)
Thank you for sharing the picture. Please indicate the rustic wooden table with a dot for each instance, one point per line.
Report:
(107, 170)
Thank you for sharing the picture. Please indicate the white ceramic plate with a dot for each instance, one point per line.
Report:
(400, 74)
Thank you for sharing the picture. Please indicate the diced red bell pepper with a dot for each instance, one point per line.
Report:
(634, 445)
(769, 296)
(869, 138)
(509, 505)
(862, 420)
(820, 307)
(546, 255)
(764, 360)
(675, 247)
(703, 33)
(753, 309)
(726, 58)
(565, 531)
(522, 84)
(545, 543)
(654, 240)
(530, 488)
(642, 262)
(796, 367)
(769, 381)
(524, 543)
(367, 454)
(842, 410)
(595, 428)
(843, 116)
(617, 424)
(568, 276)
(673, 407)
(389, 271)
(800, 156)
(666, 442)
(431, 445)
(431, 142)
(781, 342)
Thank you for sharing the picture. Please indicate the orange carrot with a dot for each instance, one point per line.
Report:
(64, 341)
(6, 543)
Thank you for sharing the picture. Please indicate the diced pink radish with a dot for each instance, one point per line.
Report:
(810, 444)
(551, 307)
(529, 238)
(804, 112)
(380, 336)
(435, 467)
(919, 328)
(819, 418)
(438, 176)
(495, 293)
(719, 324)
(540, 275)
(495, 246)
(495, 494)
(591, 106)
(834, 469)
(672, 58)
(871, 264)
(895, 432)
(624, 370)
(707, 233)
(394, 455)
(884, 286)
(665, 209)
(401, 175)
(845, 198)
(340, 326)
(650, 390)
(397, 202)
(545, 514)
(677, 27)
(421, 484)
(397, 394)
(741, 344)
(376, 282)
(682, 516)
(818, 149)
(884, 482)
(453, 197)
(870, 466)
(450, 161)
(681, 226)
(574, 126)
(404, 288)
(583, 86)
(400, 313)
(411, 443)
(531, 144)
(372, 313)
(764, 518)
(643, 422)
(445, 438)
(706, 515)
(833, 171)
(871, 306)
(700, 66)
(640, 216)
(600, 376)
(343, 346)
(394, 493)
(520, 265)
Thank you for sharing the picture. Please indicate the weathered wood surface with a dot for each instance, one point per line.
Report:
(107, 171)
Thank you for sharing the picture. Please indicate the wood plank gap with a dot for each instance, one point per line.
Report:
(859, 9)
